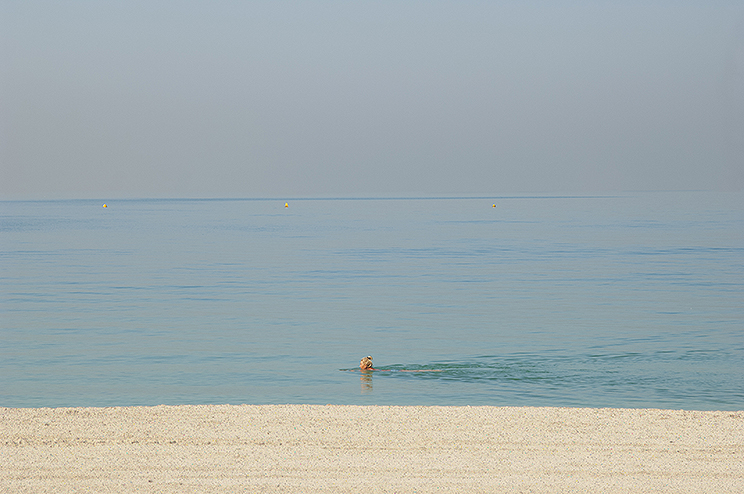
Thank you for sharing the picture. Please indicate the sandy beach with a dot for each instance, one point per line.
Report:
(309, 448)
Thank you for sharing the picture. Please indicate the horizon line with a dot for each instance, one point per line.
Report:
(365, 198)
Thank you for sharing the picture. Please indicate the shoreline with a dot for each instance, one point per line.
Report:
(345, 448)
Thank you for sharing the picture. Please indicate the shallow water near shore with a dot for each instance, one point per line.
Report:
(634, 300)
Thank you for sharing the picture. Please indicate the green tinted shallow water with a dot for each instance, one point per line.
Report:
(627, 301)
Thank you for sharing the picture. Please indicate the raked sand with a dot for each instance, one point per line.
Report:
(376, 449)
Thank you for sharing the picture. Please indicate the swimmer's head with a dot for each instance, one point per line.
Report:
(366, 363)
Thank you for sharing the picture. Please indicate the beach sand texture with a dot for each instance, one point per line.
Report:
(313, 448)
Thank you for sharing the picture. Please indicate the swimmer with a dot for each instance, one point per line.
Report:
(366, 363)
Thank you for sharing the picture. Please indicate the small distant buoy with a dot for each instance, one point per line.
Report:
(105, 206)
(286, 204)
(494, 205)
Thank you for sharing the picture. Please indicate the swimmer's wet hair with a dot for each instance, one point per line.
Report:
(366, 362)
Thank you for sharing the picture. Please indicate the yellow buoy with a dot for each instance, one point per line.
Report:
(494, 205)
(105, 206)
(286, 204)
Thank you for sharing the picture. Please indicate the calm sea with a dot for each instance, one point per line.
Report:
(634, 300)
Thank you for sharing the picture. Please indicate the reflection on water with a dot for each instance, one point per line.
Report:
(366, 379)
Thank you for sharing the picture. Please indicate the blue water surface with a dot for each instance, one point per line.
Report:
(634, 300)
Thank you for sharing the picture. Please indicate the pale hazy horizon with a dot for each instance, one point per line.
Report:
(338, 99)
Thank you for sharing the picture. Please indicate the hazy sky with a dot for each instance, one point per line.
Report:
(108, 99)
